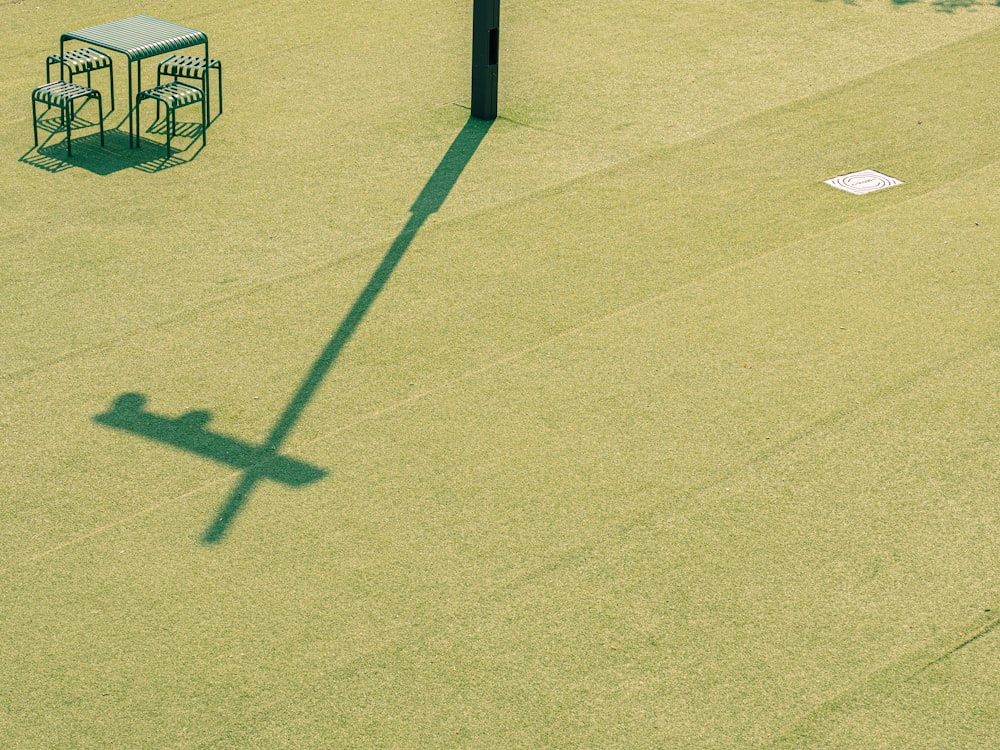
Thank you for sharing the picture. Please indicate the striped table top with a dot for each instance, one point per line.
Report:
(139, 37)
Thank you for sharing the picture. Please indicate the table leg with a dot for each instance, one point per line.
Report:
(138, 84)
(204, 87)
(62, 63)
(131, 104)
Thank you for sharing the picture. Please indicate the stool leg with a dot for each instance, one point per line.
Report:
(171, 119)
(138, 85)
(220, 86)
(34, 119)
(111, 74)
(100, 115)
(67, 118)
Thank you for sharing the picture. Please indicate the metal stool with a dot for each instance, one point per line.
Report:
(62, 94)
(173, 96)
(84, 60)
(191, 67)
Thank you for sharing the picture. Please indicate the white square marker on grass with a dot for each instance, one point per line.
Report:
(865, 181)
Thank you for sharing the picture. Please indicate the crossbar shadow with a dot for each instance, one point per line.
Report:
(188, 432)
(262, 462)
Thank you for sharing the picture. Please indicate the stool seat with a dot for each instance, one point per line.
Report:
(186, 66)
(81, 60)
(173, 94)
(61, 93)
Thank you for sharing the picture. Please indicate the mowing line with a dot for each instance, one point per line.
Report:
(883, 682)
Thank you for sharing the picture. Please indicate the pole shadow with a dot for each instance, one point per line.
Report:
(264, 462)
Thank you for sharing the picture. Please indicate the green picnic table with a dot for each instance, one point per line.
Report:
(139, 37)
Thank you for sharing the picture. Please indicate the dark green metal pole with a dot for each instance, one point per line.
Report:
(485, 57)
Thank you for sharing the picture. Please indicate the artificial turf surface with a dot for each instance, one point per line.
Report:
(632, 432)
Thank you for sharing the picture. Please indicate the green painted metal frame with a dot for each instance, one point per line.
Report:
(158, 94)
(161, 71)
(138, 38)
(67, 110)
(88, 69)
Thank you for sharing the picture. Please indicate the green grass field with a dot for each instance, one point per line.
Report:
(606, 426)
